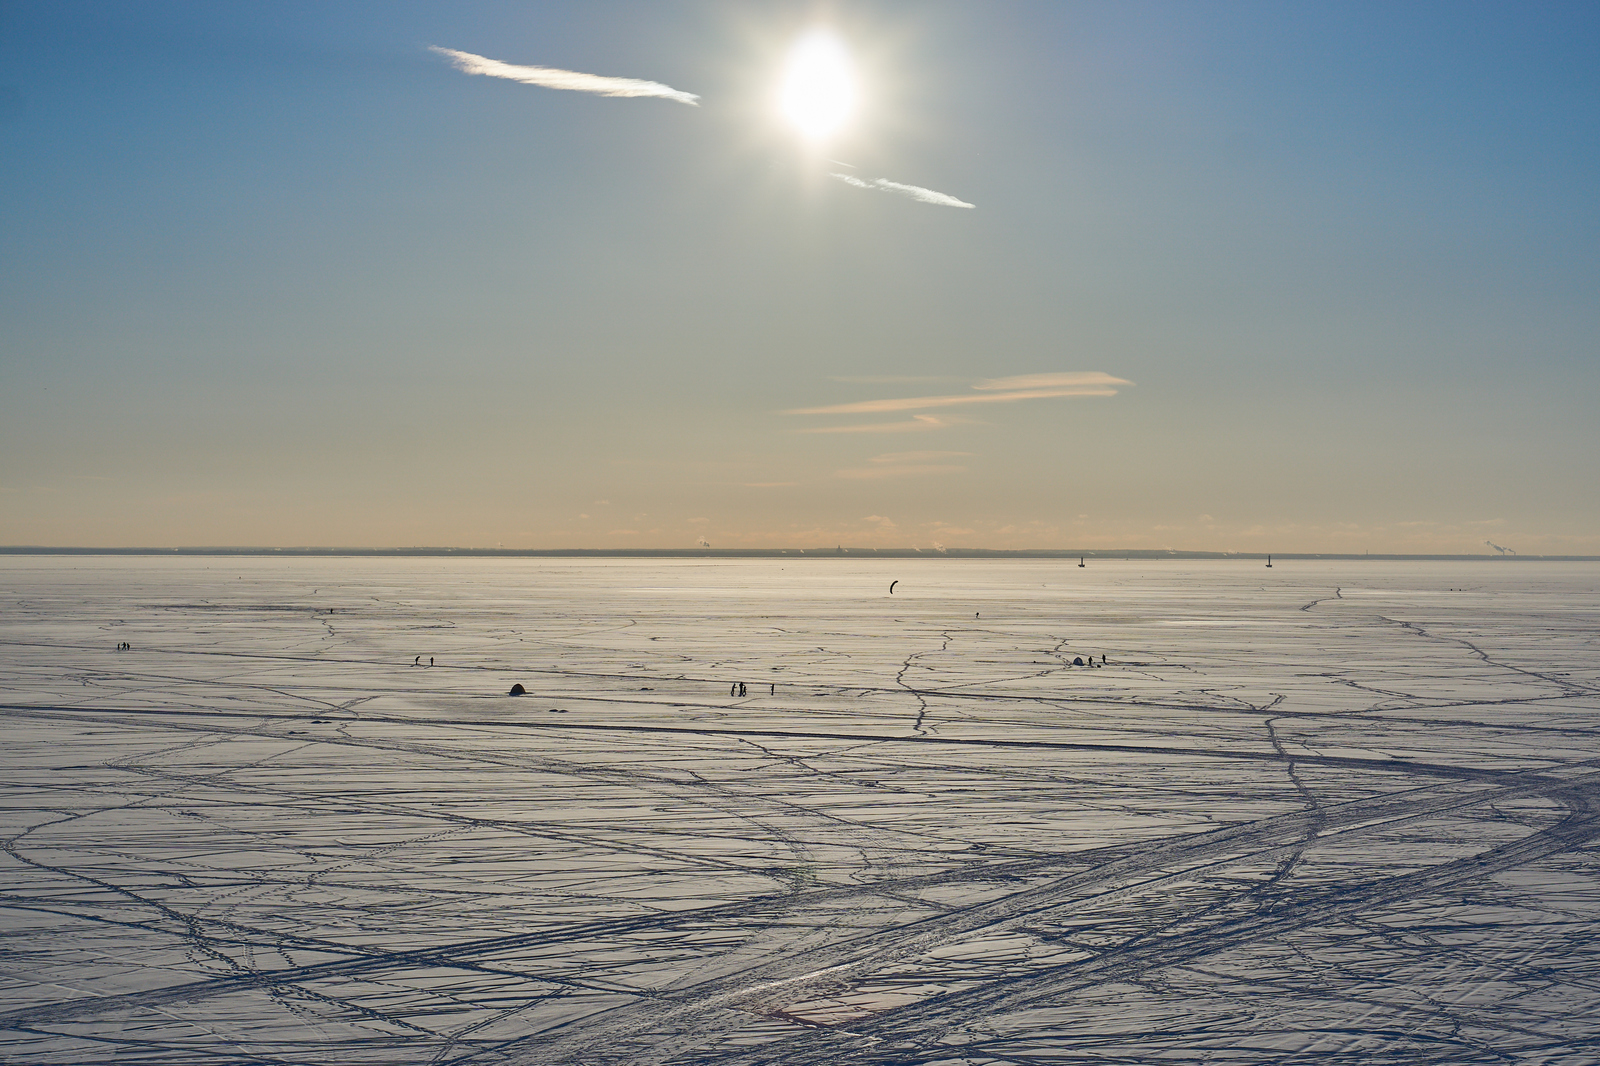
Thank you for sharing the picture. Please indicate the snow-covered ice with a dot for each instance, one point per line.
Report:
(1342, 811)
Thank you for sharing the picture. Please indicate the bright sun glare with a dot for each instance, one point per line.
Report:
(818, 91)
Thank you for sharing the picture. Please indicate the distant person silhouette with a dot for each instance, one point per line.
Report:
(430, 660)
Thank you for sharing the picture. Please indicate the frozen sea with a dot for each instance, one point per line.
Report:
(1341, 812)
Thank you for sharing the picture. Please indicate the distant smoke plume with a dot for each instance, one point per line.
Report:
(915, 192)
(551, 78)
(1496, 547)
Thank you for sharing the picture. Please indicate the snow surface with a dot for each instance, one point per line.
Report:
(1332, 811)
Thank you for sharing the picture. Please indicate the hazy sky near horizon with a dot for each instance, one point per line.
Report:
(1236, 276)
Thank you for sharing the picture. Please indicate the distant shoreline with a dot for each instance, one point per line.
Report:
(768, 553)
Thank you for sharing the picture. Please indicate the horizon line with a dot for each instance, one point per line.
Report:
(834, 552)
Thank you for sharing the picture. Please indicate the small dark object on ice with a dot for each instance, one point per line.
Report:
(517, 690)
(892, 584)
(557, 710)
(1078, 661)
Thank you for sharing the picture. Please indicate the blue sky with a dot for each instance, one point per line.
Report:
(279, 275)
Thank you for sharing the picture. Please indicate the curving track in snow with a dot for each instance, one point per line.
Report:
(1345, 814)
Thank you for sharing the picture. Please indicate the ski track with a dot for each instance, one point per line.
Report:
(1336, 812)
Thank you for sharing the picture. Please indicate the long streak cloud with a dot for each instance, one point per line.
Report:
(551, 78)
(917, 423)
(915, 192)
(1092, 383)
(577, 81)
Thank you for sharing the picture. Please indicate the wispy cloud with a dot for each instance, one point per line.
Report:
(905, 464)
(915, 192)
(889, 379)
(879, 473)
(916, 457)
(1051, 381)
(551, 78)
(915, 424)
(912, 403)
(1000, 390)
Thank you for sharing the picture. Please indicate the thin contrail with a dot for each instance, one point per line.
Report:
(551, 78)
(915, 192)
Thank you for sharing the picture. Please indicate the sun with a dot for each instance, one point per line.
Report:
(818, 92)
